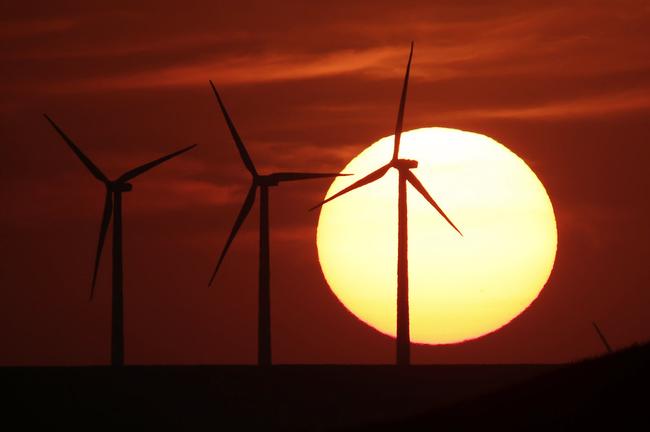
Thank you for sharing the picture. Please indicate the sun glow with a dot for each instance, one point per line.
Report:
(460, 287)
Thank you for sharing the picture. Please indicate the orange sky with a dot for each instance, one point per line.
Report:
(565, 85)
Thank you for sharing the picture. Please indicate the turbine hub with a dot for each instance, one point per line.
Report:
(405, 164)
(119, 187)
(267, 180)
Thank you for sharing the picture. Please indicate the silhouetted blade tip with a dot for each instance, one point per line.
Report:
(295, 176)
(373, 176)
(94, 170)
(149, 165)
(214, 89)
(106, 220)
(248, 162)
(243, 213)
(415, 182)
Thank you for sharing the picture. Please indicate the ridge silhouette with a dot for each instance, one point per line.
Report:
(113, 208)
(404, 167)
(599, 393)
(263, 182)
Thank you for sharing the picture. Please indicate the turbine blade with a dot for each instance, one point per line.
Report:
(96, 172)
(245, 209)
(293, 176)
(418, 186)
(235, 136)
(146, 167)
(402, 102)
(602, 337)
(373, 176)
(106, 219)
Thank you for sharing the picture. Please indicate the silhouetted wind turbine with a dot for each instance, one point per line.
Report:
(113, 208)
(404, 167)
(263, 182)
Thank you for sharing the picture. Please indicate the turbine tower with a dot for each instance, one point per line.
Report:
(404, 167)
(113, 208)
(263, 182)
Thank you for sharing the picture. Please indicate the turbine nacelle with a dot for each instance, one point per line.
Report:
(405, 164)
(266, 180)
(119, 187)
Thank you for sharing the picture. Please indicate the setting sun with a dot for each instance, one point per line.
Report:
(460, 287)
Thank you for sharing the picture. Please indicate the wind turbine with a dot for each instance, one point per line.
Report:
(263, 182)
(404, 167)
(113, 208)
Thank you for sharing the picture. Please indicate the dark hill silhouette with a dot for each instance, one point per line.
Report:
(441, 397)
(275, 398)
(604, 393)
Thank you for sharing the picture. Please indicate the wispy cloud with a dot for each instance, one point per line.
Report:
(298, 156)
(574, 108)
(237, 70)
(188, 194)
(537, 41)
(30, 28)
(158, 45)
(434, 63)
(593, 224)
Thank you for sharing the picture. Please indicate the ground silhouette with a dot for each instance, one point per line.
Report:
(602, 391)
(605, 393)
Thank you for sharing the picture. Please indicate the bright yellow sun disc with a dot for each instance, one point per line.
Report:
(460, 288)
